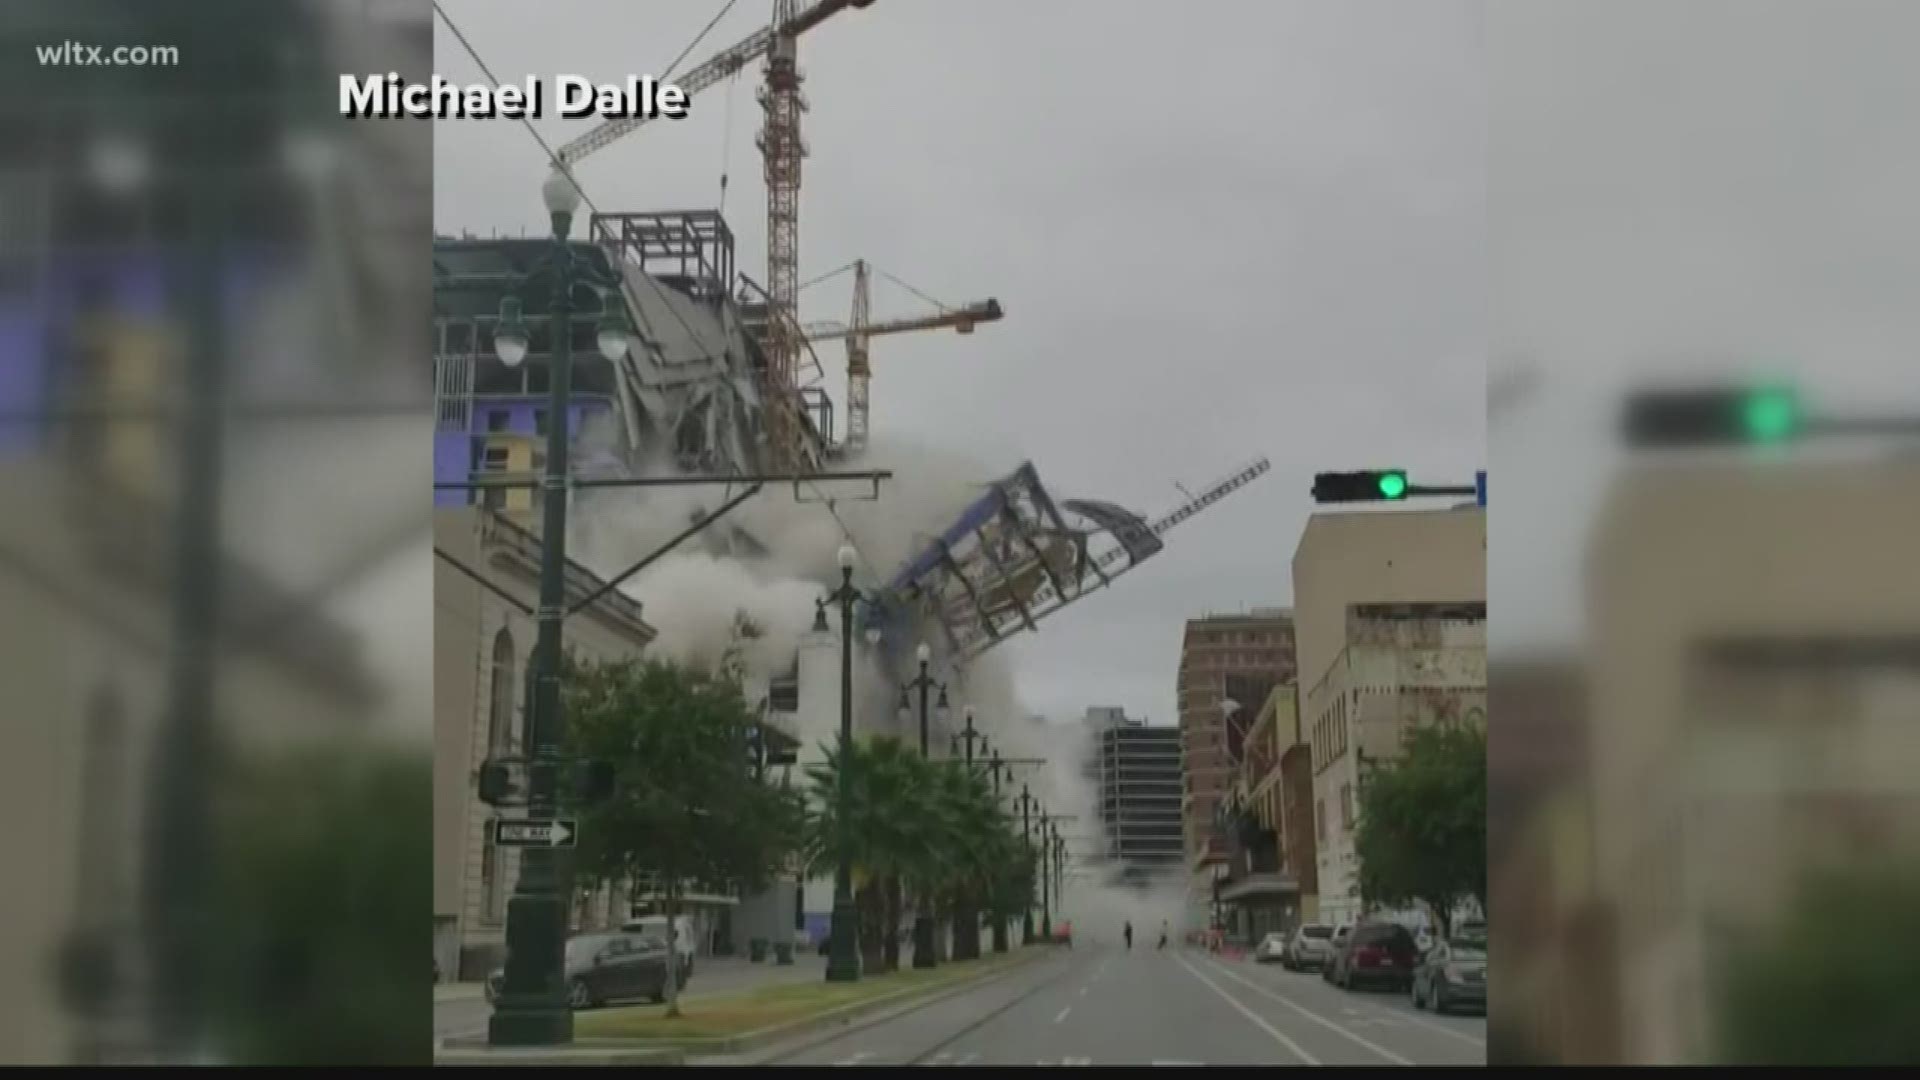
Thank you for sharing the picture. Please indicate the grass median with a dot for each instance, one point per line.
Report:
(726, 1016)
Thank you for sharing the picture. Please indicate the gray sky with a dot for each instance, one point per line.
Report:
(1250, 228)
(1678, 191)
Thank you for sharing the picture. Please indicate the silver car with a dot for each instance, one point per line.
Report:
(1310, 948)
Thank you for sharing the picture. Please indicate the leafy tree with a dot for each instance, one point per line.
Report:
(314, 943)
(1834, 985)
(686, 805)
(1423, 821)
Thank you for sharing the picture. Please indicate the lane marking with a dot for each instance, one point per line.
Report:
(1183, 1064)
(1431, 1025)
(1313, 1016)
(1084, 989)
(1249, 1013)
(1076, 1061)
(855, 1059)
(940, 1059)
(1063, 1014)
(968, 1060)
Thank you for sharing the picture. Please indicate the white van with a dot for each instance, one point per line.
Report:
(683, 940)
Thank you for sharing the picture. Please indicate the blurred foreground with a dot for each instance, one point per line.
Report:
(1705, 761)
(213, 575)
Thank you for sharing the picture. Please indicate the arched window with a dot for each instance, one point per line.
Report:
(500, 704)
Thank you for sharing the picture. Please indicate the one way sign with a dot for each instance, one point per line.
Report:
(534, 833)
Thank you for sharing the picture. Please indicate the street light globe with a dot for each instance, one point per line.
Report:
(846, 556)
(613, 342)
(968, 714)
(924, 653)
(873, 635)
(511, 346)
(560, 193)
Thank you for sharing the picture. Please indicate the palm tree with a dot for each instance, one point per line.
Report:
(883, 835)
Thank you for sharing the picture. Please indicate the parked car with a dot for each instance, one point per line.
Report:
(607, 967)
(1334, 945)
(1311, 946)
(683, 937)
(1452, 973)
(1272, 947)
(1376, 954)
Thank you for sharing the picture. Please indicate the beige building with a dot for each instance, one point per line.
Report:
(1390, 610)
(1754, 681)
(486, 588)
(88, 624)
(1404, 665)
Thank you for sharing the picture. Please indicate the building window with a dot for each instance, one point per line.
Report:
(500, 705)
(1346, 807)
(539, 421)
(1320, 819)
(498, 419)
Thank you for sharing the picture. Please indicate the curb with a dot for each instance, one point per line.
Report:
(576, 1055)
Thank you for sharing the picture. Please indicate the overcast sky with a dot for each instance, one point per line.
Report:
(1679, 192)
(1249, 228)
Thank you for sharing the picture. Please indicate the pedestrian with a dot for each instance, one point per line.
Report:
(1163, 933)
(1129, 933)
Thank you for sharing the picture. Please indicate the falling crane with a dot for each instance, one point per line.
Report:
(781, 149)
(858, 330)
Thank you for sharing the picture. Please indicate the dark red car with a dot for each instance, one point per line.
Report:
(1376, 954)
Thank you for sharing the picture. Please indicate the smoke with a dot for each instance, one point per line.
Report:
(770, 559)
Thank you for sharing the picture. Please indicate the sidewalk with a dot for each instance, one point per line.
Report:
(467, 991)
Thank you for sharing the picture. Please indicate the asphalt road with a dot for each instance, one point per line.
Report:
(1111, 1006)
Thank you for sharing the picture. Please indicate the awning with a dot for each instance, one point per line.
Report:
(1260, 887)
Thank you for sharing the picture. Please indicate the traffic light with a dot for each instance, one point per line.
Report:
(1751, 416)
(496, 783)
(1370, 485)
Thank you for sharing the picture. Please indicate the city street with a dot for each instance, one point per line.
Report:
(1109, 1006)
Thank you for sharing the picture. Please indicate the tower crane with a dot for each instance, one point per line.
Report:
(858, 330)
(781, 149)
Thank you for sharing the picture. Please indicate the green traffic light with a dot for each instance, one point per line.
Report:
(1393, 485)
(1771, 415)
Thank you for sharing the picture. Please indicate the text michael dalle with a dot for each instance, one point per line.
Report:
(389, 97)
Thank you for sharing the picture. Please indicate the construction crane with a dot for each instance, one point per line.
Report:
(781, 149)
(1161, 525)
(858, 330)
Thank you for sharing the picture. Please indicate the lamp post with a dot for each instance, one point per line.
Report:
(843, 953)
(994, 768)
(1046, 896)
(532, 1009)
(923, 925)
(1026, 803)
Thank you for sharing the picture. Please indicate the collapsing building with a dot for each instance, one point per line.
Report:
(690, 390)
(1015, 556)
